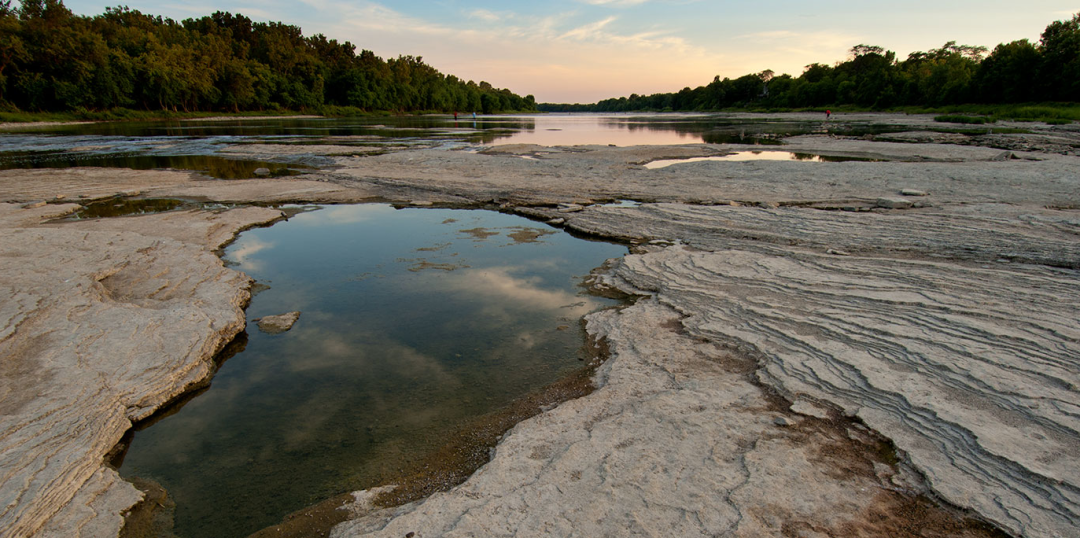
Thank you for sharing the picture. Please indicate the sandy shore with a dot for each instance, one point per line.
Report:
(914, 359)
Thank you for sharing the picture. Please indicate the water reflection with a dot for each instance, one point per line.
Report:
(213, 166)
(758, 156)
(382, 363)
(205, 137)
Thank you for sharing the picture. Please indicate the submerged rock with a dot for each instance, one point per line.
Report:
(277, 324)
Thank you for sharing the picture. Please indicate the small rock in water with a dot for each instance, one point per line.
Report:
(914, 192)
(556, 222)
(894, 203)
(277, 324)
(262, 171)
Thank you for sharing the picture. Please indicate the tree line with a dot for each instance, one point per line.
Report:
(54, 60)
(1016, 72)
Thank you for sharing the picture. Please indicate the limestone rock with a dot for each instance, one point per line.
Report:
(98, 329)
(675, 442)
(262, 171)
(894, 203)
(913, 192)
(277, 324)
(806, 407)
(973, 373)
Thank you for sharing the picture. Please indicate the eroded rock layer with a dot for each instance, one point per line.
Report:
(674, 442)
(972, 371)
(98, 329)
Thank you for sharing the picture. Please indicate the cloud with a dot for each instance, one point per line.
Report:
(557, 57)
(244, 254)
(500, 283)
(589, 31)
(787, 51)
(485, 15)
(342, 214)
(615, 2)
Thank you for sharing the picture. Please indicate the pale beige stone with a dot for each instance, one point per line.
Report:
(99, 327)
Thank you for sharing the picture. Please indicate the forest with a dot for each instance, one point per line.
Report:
(1016, 72)
(54, 60)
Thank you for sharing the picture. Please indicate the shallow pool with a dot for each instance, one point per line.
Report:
(412, 322)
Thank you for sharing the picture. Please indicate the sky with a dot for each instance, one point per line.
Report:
(582, 51)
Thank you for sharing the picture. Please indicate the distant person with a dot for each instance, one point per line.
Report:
(827, 114)
(455, 115)
(474, 115)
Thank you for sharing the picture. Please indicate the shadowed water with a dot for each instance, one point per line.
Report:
(413, 321)
(210, 165)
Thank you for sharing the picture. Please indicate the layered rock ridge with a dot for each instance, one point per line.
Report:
(100, 325)
(972, 372)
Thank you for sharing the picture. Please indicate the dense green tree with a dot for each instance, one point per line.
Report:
(1059, 72)
(1009, 74)
(51, 59)
(872, 77)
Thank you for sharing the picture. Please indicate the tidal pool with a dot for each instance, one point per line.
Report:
(413, 321)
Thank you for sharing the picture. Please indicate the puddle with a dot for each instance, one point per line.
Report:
(758, 156)
(124, 207)
(413, 322)
(622, 203)
(210, 165)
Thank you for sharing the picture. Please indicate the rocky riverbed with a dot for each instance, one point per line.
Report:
(813, 352)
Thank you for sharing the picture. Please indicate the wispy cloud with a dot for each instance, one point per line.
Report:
(592, 30)
(485, 15)
(615, 2)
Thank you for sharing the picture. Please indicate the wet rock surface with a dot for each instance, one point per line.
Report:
(277, 324)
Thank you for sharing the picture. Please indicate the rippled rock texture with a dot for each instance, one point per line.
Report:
(100, 325)
(972, 371)
(674, 442)
(948, 325)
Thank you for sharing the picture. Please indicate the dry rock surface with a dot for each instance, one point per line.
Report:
(815, 347)
(675, 442)
(929, 296)
(100, 326)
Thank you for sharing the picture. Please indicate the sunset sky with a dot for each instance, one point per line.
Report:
(587, 50)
